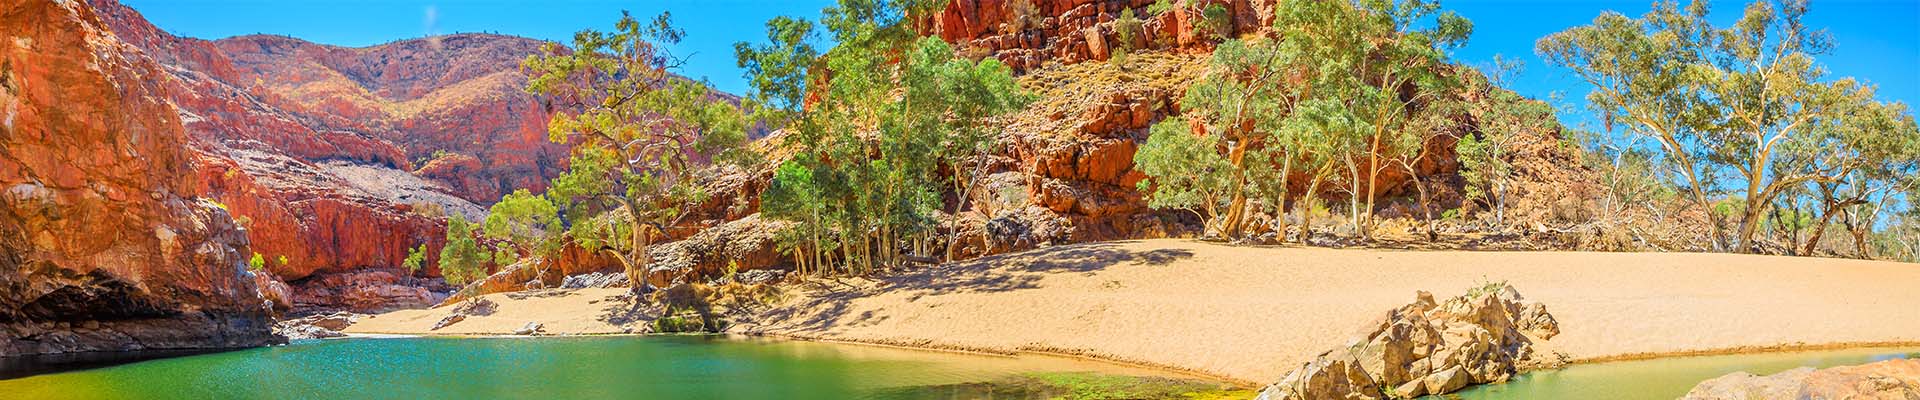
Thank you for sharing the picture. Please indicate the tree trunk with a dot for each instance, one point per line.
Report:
(1280, 204)
(1306, 210)
(1353, 200)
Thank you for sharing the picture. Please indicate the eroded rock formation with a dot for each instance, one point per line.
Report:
(105, 242)
(1424, 348)
(1897, 379)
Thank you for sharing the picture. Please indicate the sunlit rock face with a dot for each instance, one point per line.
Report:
(106, 242)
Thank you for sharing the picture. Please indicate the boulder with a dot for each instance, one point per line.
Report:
(1897, 379)
(532, 328)
(1428, 348)
(320, 326)
(448, 321)
(460, 311)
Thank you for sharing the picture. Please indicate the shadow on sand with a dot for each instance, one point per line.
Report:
(827, 301)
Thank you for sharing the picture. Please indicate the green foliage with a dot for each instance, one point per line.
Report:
(1745, 101)
(642, 137)
(257, 263)
(1184, 169)
(462, 261)
(1328, 89)
(1125, 28)
(777, 71)
(416, 259)
(1159, 7)
(529, 223)
(867, 150)
(1486, 287)
(1215, 23)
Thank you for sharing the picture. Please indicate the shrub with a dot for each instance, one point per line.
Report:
(1125, 29)
(1216, 23)
(257, 263)
(1158, 7)
(416, 259)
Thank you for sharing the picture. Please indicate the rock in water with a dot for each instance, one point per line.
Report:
(1888, 380)
(1427, 348)
(105, 243)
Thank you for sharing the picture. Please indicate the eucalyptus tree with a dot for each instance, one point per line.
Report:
(1863, 155)
(957, 101)
(529, 225)
(462, 260)
(1504, 116)
(1185, 171)
(1238, 106)
(641, 135)
(1379, 72)
(887, 112)
(1743, 102)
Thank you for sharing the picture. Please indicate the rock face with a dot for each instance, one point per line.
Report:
(367, 291)
(1897, 379)
(105, 242)
(340, 159)
(1428, 348)
(1026, 34)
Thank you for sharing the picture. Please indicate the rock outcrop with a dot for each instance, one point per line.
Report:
(1428, 348)
(1027, 34)
(319, 326)
(105, 242)
(1897, 379)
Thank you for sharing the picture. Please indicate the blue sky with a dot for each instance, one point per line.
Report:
(1878, 40)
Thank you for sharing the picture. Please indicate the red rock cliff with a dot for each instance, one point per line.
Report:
(313, 147)
(105, 243)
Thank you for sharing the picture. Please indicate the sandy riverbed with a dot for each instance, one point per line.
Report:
(1250, 314)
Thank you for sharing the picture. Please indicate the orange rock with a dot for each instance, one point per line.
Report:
(105, 243)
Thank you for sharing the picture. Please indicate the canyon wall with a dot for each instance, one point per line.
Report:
(340, 160)
(105, 241)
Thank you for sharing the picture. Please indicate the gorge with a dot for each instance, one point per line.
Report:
(1209, 193)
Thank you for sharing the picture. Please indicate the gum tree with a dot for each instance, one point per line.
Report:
(1744, 101)
(641, 135)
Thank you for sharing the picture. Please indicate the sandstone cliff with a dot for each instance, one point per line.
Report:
(105, 242)
(341, 159)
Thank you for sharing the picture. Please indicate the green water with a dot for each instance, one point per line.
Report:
(1665, 378)
(590, 368)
